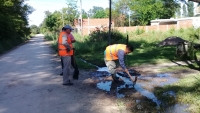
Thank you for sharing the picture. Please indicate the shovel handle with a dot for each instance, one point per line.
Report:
(131, 76)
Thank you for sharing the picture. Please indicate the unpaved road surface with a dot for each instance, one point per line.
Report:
(30, 83)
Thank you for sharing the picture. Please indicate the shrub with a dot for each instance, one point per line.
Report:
(139, 31)
(99, 36)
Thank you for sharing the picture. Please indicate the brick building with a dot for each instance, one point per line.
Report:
(90, 25)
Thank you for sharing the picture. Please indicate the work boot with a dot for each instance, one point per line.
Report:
(116, 79)
(69, 83)
(61, 74)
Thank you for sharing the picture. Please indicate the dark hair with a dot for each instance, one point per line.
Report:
(63, 29)
(130, 48)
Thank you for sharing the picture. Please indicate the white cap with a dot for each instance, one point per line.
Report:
(68, 27)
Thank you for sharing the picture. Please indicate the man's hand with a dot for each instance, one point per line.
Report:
(68, 48)
(127, 72)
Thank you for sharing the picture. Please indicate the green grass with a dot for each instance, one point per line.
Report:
(187, 91)
(84, 65)
(91, 48)
(174, 68)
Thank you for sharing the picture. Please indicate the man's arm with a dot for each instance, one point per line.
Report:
(65, 43)
(72, 38)
(121, 54)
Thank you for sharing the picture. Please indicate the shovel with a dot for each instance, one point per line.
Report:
(74, 65)
(134, 81)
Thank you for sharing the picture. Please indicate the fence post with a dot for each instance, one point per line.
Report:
(158, 27)
(177, 25)
(167, 27)
(124, 29)
(146, 28)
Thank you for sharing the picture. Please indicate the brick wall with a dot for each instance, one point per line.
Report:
(105, 22)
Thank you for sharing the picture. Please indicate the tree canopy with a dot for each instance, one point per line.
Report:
(147, 10)
(14, 22)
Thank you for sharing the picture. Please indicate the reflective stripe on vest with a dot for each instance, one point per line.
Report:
(62, 50)
(112, 50)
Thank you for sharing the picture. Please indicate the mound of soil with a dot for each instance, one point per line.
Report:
(174, 40)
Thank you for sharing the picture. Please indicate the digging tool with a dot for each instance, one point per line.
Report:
(127, 40)
(131, 76)
(76, 71)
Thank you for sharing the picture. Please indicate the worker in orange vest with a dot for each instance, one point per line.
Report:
(72, 40)
(65, 51)
(114, 52)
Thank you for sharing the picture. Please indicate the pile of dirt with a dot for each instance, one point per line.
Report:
(173, 40)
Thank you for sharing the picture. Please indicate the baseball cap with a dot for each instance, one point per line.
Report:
(68, 27)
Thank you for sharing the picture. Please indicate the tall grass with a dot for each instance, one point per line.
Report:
(187, 91)
(91, 47)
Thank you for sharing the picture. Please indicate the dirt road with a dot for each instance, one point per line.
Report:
(30, 83)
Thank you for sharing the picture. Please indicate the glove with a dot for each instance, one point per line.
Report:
(68, 49)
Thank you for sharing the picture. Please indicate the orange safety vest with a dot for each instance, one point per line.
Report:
(62, 50)
(112, 50)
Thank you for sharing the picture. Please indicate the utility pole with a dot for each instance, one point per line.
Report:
(129, 19)
(109, 38)
(81, 19)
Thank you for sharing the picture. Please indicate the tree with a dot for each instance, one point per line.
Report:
(147, 10)
(185, 13)
(120, 14)
(34, 29)
(190, 9)
(53, 22)
(13, 22)
(84, 14)
(178, 12)
(94, 10)
(100, 14)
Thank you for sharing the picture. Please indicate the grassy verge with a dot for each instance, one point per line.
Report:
(10, 43)
(91, 48)
(187, 91)
(179, 68)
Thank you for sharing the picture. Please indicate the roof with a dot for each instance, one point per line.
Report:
(171, 20)
(198, 1)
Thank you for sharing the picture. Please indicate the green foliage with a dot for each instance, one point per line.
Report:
(190, 9)
(13, 23)
(54, 22)
(181, 30)
(120, 12)
(151, 9)
(34, 29)
(185, 13)
(95, 9)
(187, 92)
(100, 14)
(99, 36)
(91, 48)
(172, 30)
(139, 31)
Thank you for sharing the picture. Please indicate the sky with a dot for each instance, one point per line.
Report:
(41, 6)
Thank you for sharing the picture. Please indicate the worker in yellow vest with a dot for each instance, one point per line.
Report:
(117, 52)
(65, 51)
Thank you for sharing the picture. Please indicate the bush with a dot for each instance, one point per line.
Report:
(100, 36)
(139, 32)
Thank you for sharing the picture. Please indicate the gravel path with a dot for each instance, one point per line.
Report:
(29, 83)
